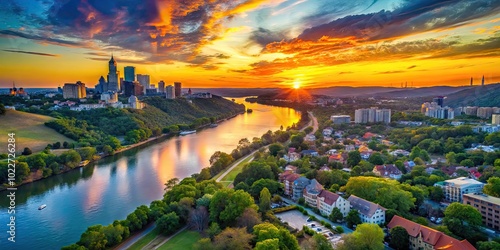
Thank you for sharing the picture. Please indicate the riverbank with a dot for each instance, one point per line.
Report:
(38, 175)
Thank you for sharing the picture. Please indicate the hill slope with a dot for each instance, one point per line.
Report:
(483, 96)
(418, 92)
(30, 131)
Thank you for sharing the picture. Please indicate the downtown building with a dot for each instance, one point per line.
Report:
(372, 115)
(113, 76)
(169, 92)
(161, 86)
(434, 110)
(144, 80)
(178, 89)
(129, 73)
(74, 90)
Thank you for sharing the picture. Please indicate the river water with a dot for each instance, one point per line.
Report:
(113, 187)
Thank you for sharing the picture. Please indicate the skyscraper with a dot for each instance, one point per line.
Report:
(129, 73)
(161, 86)
(178, 89)
(144, 81)
(113, 84)
(471, 80)
(169, 92)
(482, 81)
(439, 100)
(102, 86)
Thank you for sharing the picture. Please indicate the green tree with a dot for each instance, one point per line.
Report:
(233, 238)
(93, 238)
(436, 193)
(336, 215)
(168, 223)
(399, 238)
(376, 159)
(26, 151)
(353, 158)
(265, 200)
(269, 244)
(2, 109)
(462, 219)
(108, 150)
(467, 163)
(352, 218)
(87, 153)
(488, 245)
(70, 158)
(493, 186)
(275, 148)
(266, 231)
(227, 205)
(370, 235)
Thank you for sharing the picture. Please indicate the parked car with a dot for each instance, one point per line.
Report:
(309, 220)
(433, 219)
(330, 234)
(319, 229)
(313, 225)
(439, 220)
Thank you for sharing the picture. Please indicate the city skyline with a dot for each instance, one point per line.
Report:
(277, 43)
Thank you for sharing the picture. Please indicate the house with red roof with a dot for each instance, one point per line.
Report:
(422, 237)
(287, 178)
(388, 171)
(327, 200)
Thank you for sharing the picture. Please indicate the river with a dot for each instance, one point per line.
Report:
(113, 187)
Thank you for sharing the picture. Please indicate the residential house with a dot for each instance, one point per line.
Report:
(400, 152)
(409, 165)
(454, 189)
(331, 152)
(349, 148)
(325, 168)
(291, 168)
(310, 138)
(311, 192)
(291, 157)
(336, 158)
(422, 237)
(369, 212)
(327, 132)
(327, 201)
(309, 152)
(298, 187)
(388, 171)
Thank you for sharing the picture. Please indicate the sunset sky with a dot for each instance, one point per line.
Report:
(253, 43)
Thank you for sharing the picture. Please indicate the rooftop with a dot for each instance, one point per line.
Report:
(484, 197)
(431, 236)
(463, 181)
(363, 206)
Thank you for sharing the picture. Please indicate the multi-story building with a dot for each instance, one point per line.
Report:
(74, 90)
(495, 119)
(287, 178)
(426, 238)
(109, 97)
(454, 189)
(135, 103)
(133, 88)
(434, 110)
(161, 86)
(113, 76)
(439, 100)
(144, 80)
(369, 212)
(169, 92)
(372, 115)
(470, 110)
(298, 187)
(311, 192)
(178, 89)
(339, 119)
(129, 73)
(488, 206)
(102, 86)
(327, 200)
(484, 112)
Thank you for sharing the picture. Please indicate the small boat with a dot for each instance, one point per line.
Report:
(187, 132)
(42, 207)
(249, 110)
(213, 125)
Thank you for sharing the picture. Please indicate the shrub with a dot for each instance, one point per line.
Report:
(339, 229)
(284, 209)
(328, 225)
(305, 212)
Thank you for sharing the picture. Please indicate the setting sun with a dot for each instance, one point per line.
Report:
(296, 84)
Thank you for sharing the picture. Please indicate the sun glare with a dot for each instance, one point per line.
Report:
(296, 85)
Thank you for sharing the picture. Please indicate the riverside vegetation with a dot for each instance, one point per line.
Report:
(96, 132)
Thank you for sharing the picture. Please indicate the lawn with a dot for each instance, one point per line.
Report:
(232, 175)
(182, 241)
(144, 240)
(30, 131)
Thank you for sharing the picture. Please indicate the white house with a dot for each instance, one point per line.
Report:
(369, 212)
(327, 200)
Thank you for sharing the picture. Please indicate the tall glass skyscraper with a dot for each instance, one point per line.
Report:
(129, 73)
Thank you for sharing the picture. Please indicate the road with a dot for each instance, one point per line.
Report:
(314, 122)
(132, 240)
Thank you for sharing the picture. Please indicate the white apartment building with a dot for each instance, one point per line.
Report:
(369, 212)
(327, 200)
(454, 189)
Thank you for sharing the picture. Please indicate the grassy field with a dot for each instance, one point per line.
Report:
(232, 175)
(182, 241)
(144, 240)
(30, 131)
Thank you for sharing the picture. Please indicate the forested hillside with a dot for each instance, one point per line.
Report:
(483, 96)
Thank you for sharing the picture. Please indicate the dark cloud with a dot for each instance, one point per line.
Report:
(263, 36)
(345, 72)
(391, 72)
(486, 47)
(39, 38)
(30, 52)
(238, 70)
(411, 17)
(411, 67)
